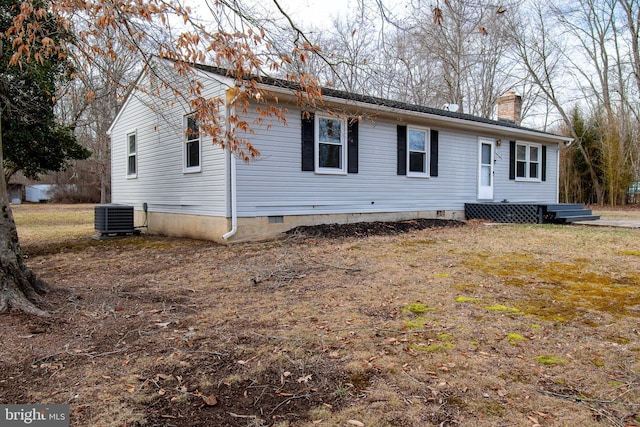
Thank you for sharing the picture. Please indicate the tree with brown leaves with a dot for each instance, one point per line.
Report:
(224, 33)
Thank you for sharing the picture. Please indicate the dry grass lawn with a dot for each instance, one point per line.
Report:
(479, 325)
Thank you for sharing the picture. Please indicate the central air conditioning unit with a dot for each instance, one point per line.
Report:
(114, 219)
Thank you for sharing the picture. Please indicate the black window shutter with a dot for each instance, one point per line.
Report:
(308, 141)
(433, 167)
(352, 146)
(512, 160)
(402, 150)
(544, 162)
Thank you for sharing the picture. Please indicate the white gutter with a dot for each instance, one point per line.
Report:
(232, 95)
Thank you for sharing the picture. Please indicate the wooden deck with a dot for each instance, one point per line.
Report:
(529, 213)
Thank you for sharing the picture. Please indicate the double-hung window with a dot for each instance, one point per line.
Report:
(330, 144)
(132, 155)
(192, 146)
(418, 151)
(528, 161)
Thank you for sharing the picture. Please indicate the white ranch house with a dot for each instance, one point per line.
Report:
(400, 161)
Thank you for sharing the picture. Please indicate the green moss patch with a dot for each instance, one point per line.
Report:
(417, 308)
(503, 308)
(632, 253)
(550, 360)
(416, 323)
(563, 291)
(468, 299)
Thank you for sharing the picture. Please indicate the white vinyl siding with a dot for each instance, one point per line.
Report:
(274, 184)
(161, 181)
(519, 190)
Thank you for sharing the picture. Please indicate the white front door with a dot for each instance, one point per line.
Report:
(485, 169)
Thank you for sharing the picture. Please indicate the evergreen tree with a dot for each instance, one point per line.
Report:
(33, 142)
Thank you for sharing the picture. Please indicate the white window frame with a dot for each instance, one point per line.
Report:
(343, 145)
(427, 152)
(528, 161)
(185, 145)
(133, 154)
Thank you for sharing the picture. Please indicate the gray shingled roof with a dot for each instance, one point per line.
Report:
(372, 100)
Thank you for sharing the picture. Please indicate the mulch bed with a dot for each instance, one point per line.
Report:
(366, 229)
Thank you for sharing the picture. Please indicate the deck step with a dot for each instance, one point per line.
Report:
(576, 218)
(571, 213)
(557, 207)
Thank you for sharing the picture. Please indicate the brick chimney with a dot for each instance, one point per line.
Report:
(510, 108)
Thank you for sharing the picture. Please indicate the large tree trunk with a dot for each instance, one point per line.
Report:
(19, 287)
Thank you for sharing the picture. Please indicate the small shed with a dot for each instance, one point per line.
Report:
(38, 193)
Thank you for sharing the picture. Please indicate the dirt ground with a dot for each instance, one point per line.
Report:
(416, 324)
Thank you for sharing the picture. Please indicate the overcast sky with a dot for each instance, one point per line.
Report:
(317, 13)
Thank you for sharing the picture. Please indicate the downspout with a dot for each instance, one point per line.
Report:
(232, 95)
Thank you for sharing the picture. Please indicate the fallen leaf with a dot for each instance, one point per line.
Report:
(533, 419)
(210, 401)
(543, 415)
(131, 388)
(304, 379)
(355, 423)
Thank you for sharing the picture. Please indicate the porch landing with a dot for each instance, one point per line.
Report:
(529, 212)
